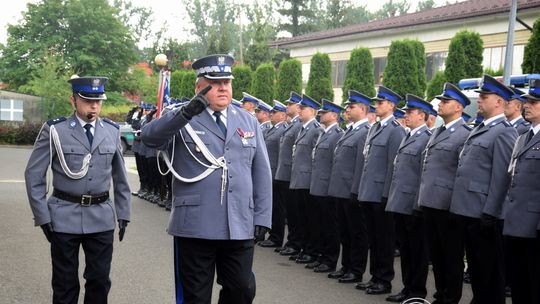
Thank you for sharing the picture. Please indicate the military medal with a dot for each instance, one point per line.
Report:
(244, 135)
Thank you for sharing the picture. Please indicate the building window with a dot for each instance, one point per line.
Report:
(339, 70)
(434, 63)
(379, 65)
(11, 110)
(305, 73)
(494, 58)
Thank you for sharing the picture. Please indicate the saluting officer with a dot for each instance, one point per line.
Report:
(522, 207)
(322, 224)
(402, 201)
(278, 116)
(84, 153)
(513, 110)
(249, 103)
(223, 198)
(262, 113)
(440, 161)
(480, 189)
(344, 180)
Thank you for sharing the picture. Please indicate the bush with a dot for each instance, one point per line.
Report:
(242, 80)
(465, 55)
(289, 78)
(187, 89)
(176, 83)
(15, 133)
(531, 57)
(320, 78)
(360, 73)
(263, 83)
(435, 85)
(400, 74)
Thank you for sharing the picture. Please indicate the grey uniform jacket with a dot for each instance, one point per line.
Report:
(522, 206)
(440, 161)
(286, 142)
(379, 153)
(522, 125)
(323, 159)
(146, 151)
(302, 155)
(348, 162)
(197, 209)
(482, 176)
(407, 171)
(265, 126)
(136, 125)
(272, 138)
(106, 162)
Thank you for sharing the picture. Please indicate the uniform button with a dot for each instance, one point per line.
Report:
(230, 191)
(89, 178)
(230, 176)
(228, 162)
(90, 165)
(227, 148)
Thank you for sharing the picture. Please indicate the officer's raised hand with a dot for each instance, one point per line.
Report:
(48, 231)
(197, 104)
(122, 224)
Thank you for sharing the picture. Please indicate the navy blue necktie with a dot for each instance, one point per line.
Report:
(220, 123)
(530, 135)
(89, 135)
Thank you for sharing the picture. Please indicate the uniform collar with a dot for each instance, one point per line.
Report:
(308, 122)
(488, 121)
(329, 127)
(385, 121)
(82, 122)
(450, 124)
(361, 121)
(413, 131)
(513, 121)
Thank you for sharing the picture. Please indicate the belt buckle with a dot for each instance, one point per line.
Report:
(86, 200)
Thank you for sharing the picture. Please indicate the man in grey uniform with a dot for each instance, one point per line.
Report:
(522, 207)
(84, 155)
(480, 189)
(440, 161)
(220, 206)
(513, 109)
(249, 103)
(322, 225)
(262, 113)
(402, 201)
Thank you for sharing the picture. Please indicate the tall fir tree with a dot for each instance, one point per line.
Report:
(320, 78)
(531, 58)
(187, 88)
(400, 74)
(464, 57)
(263, 83)
(242, 80)
(360, 73)
(289, 78)
(420, 54)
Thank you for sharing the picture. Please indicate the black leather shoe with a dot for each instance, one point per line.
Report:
(288, 251)
(508, 292)
(323, 268)
(279, 249)
(379, 288)
(364, 285)
(350, 278)
(337, 274)
(268, 244)
(466, 278)
(312, 265)
(397, 298)
(305, 259)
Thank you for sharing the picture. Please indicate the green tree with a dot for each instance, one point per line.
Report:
(100, 45)
(400, 74)
(138, 18)
(187, 88)
(289, 78)
(259, 33)
(360, 73)
(242, 80)
(320, 77)
(263, 83)
(297, 13)
(425, 5)
(435, 85)
(392, 9)
(420, 55)
(340, 13)
(531, 57)
(464, 57)
(176, 83)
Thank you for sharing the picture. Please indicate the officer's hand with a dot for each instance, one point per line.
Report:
(48, 231)
(488, 224)
(122, 224)
(260, 232)
(197, 104)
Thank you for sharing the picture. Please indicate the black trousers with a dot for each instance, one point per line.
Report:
(524, 269)
(154, 177)
(414, 254)
(381, 236)
(98, 248)
(325, 227)
(196, 261)
(292, 215)
(352, 235)
(446, 248)
(306, 220)
(142, 169)
(279, 190)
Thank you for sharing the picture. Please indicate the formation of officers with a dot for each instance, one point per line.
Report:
(436, 193)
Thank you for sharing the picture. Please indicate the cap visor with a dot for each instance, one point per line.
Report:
(444, 97)
(93, 96)
(219, 77)
(529, 96)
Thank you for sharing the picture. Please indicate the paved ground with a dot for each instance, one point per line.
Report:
(142, 263)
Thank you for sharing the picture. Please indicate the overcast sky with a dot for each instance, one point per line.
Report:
(169, 10)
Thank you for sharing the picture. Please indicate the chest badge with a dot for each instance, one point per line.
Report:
(245, 135)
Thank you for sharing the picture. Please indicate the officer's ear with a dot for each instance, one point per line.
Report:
(73, 101)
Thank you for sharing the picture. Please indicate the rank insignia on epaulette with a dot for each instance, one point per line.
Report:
(114, 124)
(452, 129)
(395, 122)
(51, 122)
(505, 122)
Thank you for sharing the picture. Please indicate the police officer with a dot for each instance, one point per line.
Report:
(219, 207)
(479, 191)
(432, 119)
(380, 150)
(301, 176)
(133, 118)
(249, 103)
(150, 154)
(522, 209)
(402, 201)
(513, 111)
(323, 225)
(262, 113)
(440, 161)
(344, 180)
(84, 153)
(278, 117)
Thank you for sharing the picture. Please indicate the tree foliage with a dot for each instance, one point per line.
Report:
(425, 5)
(298, 14)
(289, 78)
(263, 83)
(531, 57)
(259, 32)
(464, 57)
(187, 88)
(392, 9)
(360, 73)
(320, 80)
(420, 54)
(176, 83)
(340, 13)
(435, 85)
(138, 18)
(242, 80)
(400, 74)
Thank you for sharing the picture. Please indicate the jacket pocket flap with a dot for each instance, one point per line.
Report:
(74, 150)
(478, 187)
(449, 184)
(104, 149)
(188, 200)
(483, 144)
(533, 207)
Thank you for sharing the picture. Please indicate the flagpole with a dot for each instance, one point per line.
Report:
(161, 61)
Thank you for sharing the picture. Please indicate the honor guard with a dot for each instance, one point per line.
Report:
(249, 103)
(522, 209)
(440, 161)
(479, 191)
(432, 119)
(262, 113)
(372, 115)
(278, 117)
(222, 196)
(402, 201)
(344, 180)
(381, 147)
(85, 157)
(323, 223)
(513, 110)
(134, 119)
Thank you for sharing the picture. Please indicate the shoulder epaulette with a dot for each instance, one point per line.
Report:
(506, 123)
(466, 126)
(339, 130)
(114, 124)
(367, 126)
(54, 121)
(428, 132)
(317, 124)
(395, 123)
(526, 123)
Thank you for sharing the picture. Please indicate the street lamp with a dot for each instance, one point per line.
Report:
(161, 60)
